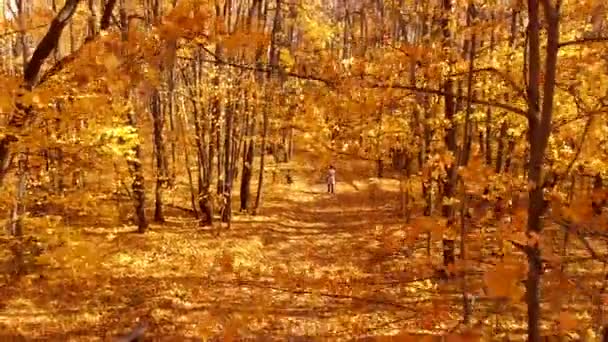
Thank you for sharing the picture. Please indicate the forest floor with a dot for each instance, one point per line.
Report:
(309, 264)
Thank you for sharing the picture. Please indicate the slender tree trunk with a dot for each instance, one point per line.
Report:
(228, 146)
(185, 144)
(539, 130)
(273, 73)
(172, 125)
(15, 227)
(468, 128)
(22, 17)
(137, 186)
(134, 160)
(258, 197)
(159, 154)
(247, 173)
(205, 143)
(503, 158)
(534, 172)
(466, 304)
(500, 150)
(449, 183)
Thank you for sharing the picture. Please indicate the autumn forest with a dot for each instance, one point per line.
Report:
(165, 166)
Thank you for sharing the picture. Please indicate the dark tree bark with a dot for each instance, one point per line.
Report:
(228, 163)
(258, 197)
(468, 127)
(159, 154)
(539, 129)
(247, 170)
(107, 14)
(23, 113)
(449, 184)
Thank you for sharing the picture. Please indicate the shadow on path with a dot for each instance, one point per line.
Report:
(311, 264)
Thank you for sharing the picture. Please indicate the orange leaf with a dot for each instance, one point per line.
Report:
(567, 321)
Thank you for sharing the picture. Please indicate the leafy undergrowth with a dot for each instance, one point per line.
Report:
(310, 264)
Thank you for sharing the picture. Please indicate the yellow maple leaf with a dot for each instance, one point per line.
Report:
(111, 62)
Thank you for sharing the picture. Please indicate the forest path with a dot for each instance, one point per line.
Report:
(309, 264)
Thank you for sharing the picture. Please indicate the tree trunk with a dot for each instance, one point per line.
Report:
(539, 130)
(134, 160)
(185, 144)
(468, 128)
(500, 150)
(450, 136)
(159, 153)
(258, 197)
(137, 186)
(228, 146)
(205, 145)
(274, 63)
(466, 305)
(15, 227)
(246, 175)
(23, 113)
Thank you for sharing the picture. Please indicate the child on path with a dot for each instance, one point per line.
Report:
(331, 179)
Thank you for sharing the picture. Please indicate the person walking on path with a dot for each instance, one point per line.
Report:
(331, 179)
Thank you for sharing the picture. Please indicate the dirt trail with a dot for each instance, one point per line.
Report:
(310, 263)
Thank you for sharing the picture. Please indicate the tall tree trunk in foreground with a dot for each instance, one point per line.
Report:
(539, 129)
(134, 159)
(274, 64)
(449, 184)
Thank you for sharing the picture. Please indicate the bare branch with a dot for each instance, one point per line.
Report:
(520, 91)
(500, 105)
(438, 92)
(579, 148)
(559, 124)
(567, 226)
(582, 41)
(265, 68)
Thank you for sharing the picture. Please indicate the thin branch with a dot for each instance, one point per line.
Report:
(564, 122)
(520, 91)
(504, 106)
(438, 92)
(264, 68)
(582, 41)
(567, 226)
(267, 68)
(579, 148)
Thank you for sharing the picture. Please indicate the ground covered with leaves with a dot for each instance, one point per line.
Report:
(309, 264)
